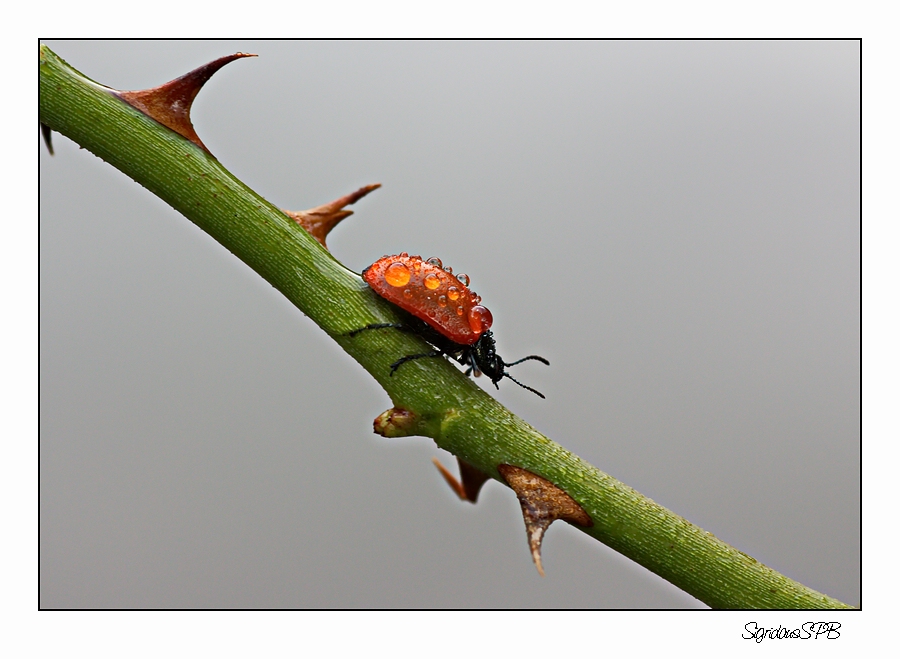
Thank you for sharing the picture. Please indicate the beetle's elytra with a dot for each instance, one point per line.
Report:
(444, 312)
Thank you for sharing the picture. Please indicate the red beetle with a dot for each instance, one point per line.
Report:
(443, 311)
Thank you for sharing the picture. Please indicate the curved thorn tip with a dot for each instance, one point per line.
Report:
(542, 503)
(170, 104)
(47, 134)
(319, 221)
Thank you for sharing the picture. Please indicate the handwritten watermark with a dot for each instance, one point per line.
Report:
(806, 631)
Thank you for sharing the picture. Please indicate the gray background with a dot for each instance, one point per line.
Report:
(675, 225)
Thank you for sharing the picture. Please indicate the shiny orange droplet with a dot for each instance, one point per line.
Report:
(396, 274)
(431, 281)
(480, 319)
(453, 293)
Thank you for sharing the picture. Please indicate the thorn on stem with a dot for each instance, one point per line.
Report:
(472, 479)
(47, 133)
(170, 104)
(542, 503)
(319, 221)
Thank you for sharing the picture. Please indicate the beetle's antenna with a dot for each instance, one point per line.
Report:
(534, 391)
(525, 359)
(519, 361)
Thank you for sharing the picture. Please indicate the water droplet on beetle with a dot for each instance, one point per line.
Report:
(480, 319)
(431, 281)
(396, 274)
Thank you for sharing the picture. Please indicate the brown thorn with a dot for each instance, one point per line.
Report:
(170, 104)
(542, 503)
(319, 221)
(535, 538)
(472, 479)
(47, 133)
(454, 484)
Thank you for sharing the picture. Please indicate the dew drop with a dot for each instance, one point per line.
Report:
(396, 274)
(435, 261)
(442, 301)
(480, 319)
(453, 293)
(463, 278)
(431, 281)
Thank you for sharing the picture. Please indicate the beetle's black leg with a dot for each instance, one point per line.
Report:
(474, 368)
(402, 328)
(397, 364)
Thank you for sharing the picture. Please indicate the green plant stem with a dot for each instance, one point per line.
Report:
(448, 407)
